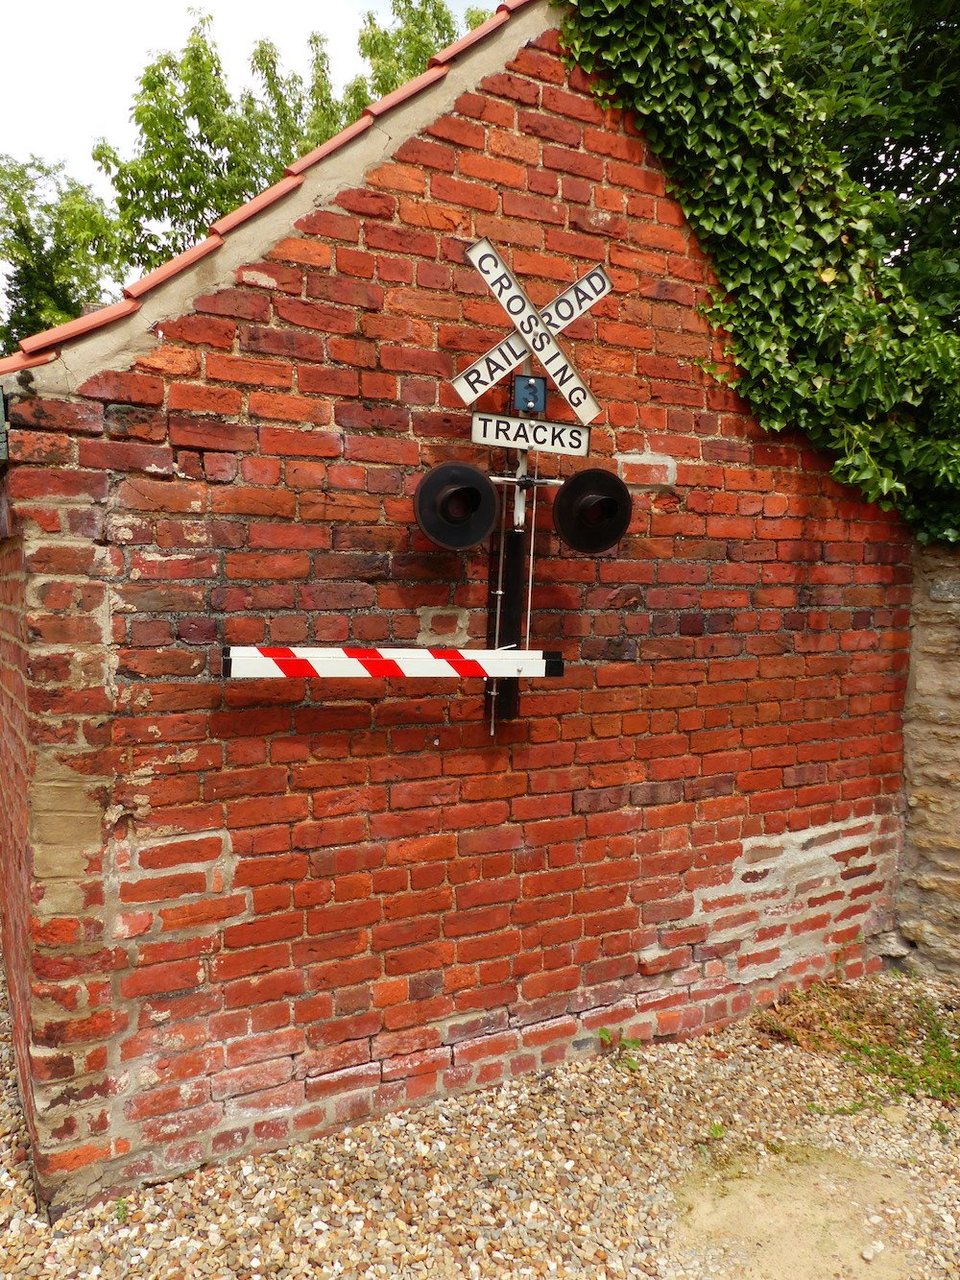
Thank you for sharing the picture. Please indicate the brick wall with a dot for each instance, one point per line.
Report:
(288, 903)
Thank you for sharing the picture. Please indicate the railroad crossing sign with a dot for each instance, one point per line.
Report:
(534, 331)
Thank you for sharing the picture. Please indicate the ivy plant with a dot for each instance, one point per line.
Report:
(824, 333)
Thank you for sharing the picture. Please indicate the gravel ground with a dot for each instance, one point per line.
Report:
(571, 1173)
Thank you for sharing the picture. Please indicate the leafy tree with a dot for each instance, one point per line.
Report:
(59, 244)
(397, 55)
(199, 153)
(884, 75)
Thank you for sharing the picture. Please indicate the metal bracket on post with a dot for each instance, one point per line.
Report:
(520, 492)
(4, 430)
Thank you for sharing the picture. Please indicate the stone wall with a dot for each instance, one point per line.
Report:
(929, 900)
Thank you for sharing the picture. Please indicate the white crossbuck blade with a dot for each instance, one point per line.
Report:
(256, 662)
(534, 332)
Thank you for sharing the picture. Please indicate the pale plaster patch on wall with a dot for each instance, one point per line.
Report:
(443, 626)
(66, 820)
(761, 916)
(647, 470)
(781, 884)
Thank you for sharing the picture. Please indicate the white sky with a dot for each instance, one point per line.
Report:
(70, 67)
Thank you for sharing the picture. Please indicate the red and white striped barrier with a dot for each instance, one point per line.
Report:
(266, 661)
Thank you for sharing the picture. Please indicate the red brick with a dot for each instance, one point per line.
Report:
(197, 398)
(240, 303)
(368, 204)
(396, 239)
(335, 226)
(462, 133)
(161, 979)
(429, 155)
(200, 329)
(256, 373)
(162, 888)
(516, 88)
(316, 315)
(124, 388)
(473, 195)
(396, 177)
(51, 483)
(55, 415)
(287, 408)
(210, 911)
(187, 433)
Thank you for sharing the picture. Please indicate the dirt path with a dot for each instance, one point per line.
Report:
(805, 1214)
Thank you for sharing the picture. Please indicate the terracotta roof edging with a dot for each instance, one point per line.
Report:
(20, 361)
(453, 51)
(81, 325)
(408, 90)
(173, 267)
(252, 207)
(327, 148)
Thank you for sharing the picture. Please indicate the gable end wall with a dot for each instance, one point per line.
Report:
(299, 903)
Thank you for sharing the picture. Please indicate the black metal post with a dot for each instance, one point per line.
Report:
(507, 691)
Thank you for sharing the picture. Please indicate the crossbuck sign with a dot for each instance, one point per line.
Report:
(534, 332)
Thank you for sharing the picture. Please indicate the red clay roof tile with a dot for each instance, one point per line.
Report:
(453, 51)
(76, 328)
(20, 361)
(408, 90)
(173, 267)
(332, 144)
(256, 205)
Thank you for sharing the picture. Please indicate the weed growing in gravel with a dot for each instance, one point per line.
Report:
(711, 1145)
(888, 1028)
(925, 1062)
(623, 1051)
(850, 1109)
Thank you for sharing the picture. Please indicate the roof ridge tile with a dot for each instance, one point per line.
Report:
(332, 144)
(173, 266)
(405, 91)
(81, 325)
(287, 184)
(453, 51)
(20, 361)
